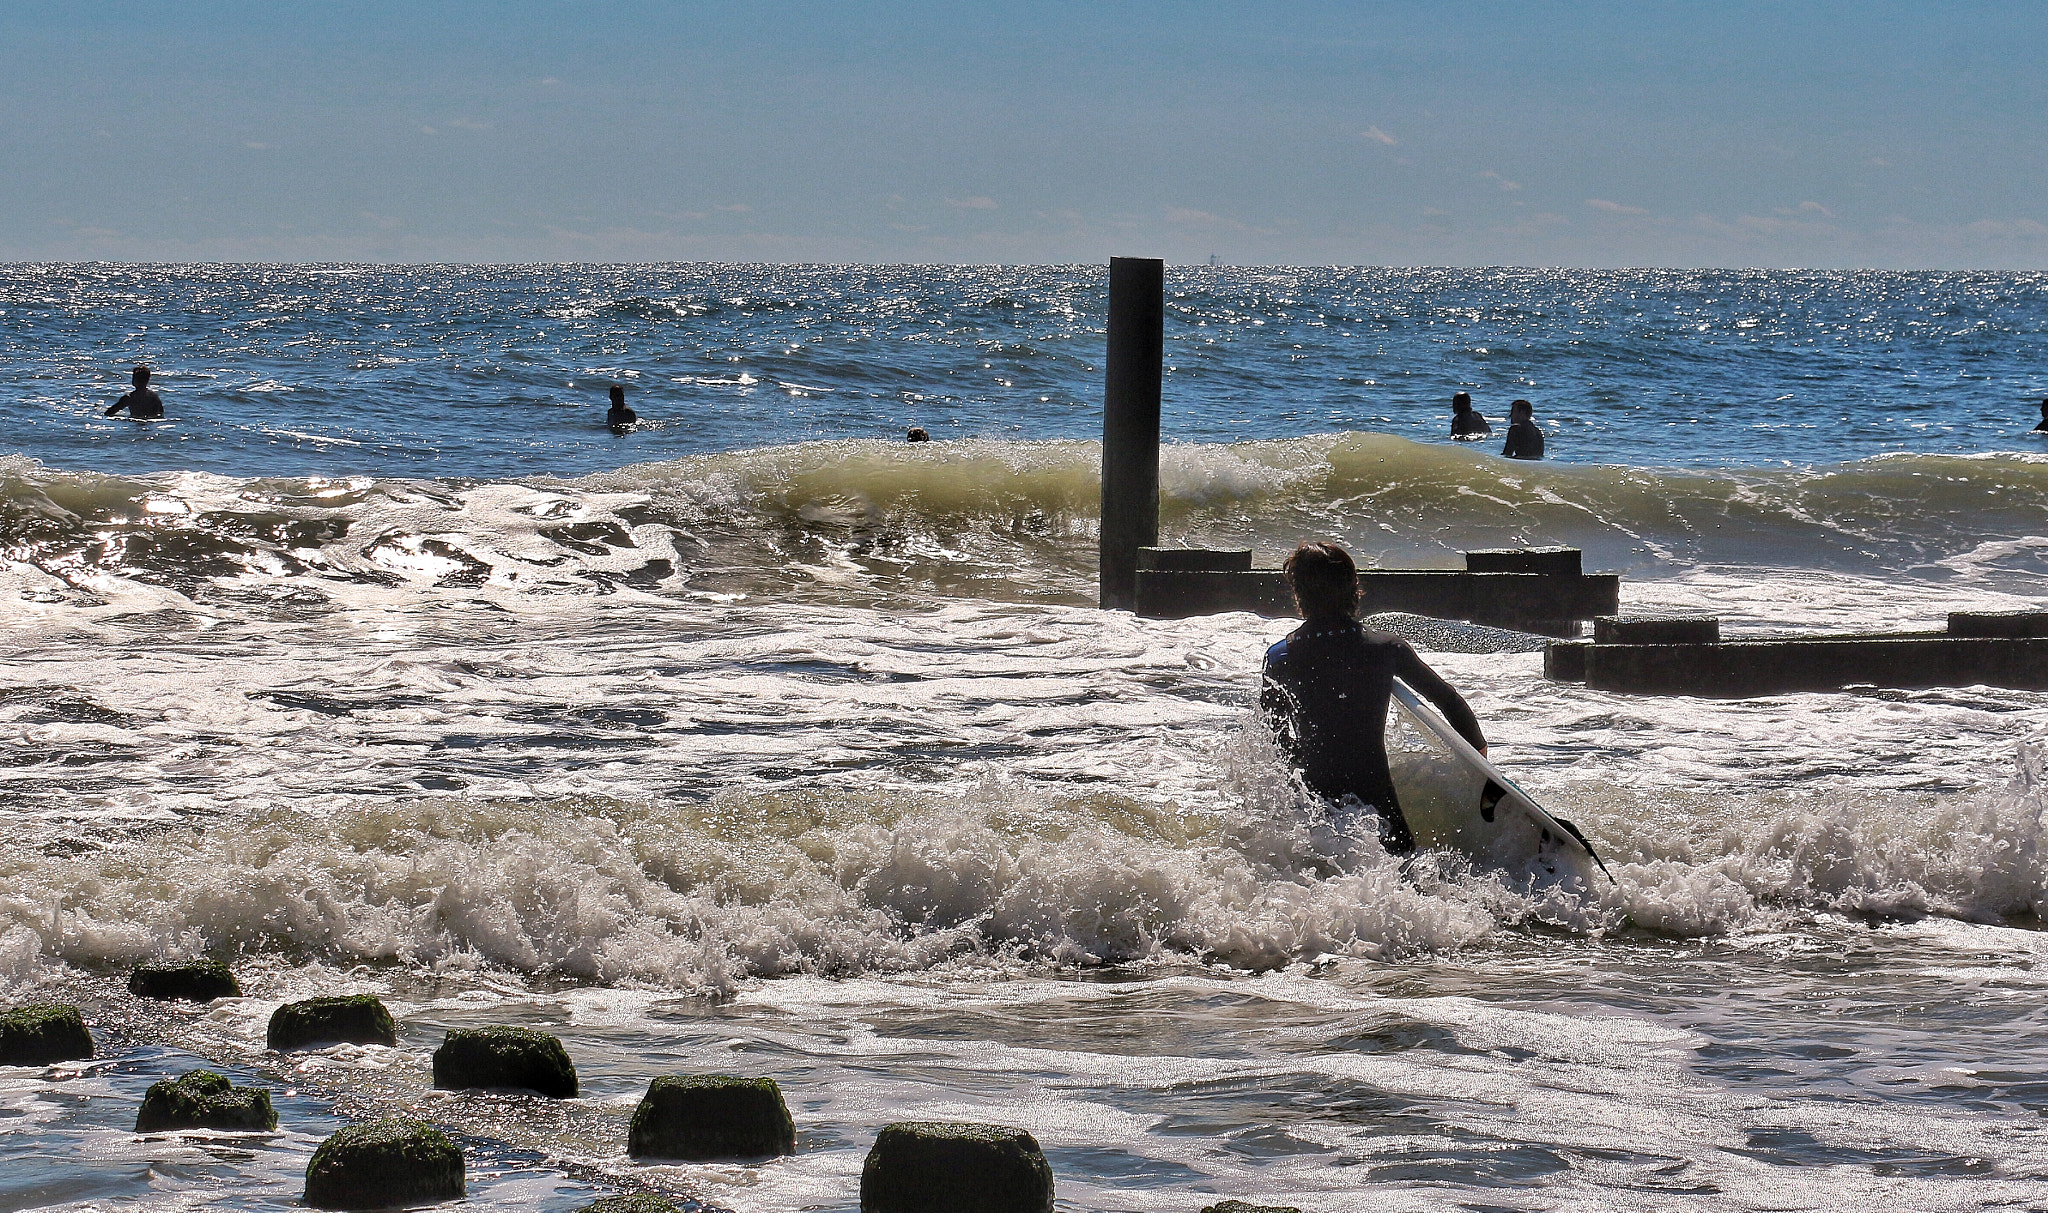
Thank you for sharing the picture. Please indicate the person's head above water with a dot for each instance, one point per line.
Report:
(917, 434)
(1461, 403)
(140, 378)
(1522, 410)
(618, 396)
(1324, 579)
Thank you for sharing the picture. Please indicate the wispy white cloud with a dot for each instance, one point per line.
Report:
(1377, 135)
(1614, 208)
(1499, 180)
(978, 202)
(1806, 208)
(736, 208)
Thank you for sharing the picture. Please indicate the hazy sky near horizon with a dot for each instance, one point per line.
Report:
(1430, 133)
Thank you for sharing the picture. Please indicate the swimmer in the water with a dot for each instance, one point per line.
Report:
(142, 404)
(1525, 441)
(917, 434)
(2044, 418)
(1325, 688)
(619, 416)
(1466, 421)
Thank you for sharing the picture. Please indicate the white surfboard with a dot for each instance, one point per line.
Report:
(1454, 799)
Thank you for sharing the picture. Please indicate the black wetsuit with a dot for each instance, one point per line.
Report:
(142, 404)
(1525, 441)
(619, 417)
(1325, 692)
(1469, 424)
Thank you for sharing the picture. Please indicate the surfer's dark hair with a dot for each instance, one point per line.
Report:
(1324, 578)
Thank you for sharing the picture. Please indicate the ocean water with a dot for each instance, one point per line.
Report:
(759, 740)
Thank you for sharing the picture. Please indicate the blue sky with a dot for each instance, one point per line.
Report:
(1430, 133)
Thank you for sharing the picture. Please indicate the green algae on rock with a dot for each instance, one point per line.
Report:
(360, 1019)
(505, 1057)
(384, 1164)
(700, 1118)
(204, 1100)
(39, 1033)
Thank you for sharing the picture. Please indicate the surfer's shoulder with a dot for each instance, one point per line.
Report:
(1375, 636)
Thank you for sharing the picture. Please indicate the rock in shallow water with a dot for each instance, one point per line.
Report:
(39, 1033)
(203, 1100)
(384, 1164)
(638, 1202)
(505, 1057)
(198, 981)
(356, 1019)
(711, 1116)
(942, 1167)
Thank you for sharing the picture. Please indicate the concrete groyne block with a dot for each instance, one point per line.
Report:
(2010, 624)
(1549, 562)
(192, 981)
(1742, 669)
(1657, 629)
(946, 1167)
(359, 1019)
(384, 1164)
(38, 1033)
(203, 1099)
(1196, 560)
(701, 1118)
(505, 1057)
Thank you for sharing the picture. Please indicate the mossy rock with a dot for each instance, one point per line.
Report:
(638, 1202)
(198, 981)
(942, 1167)
(1238, 1206)
(712, 1116)
(384, 1164)
(39, 1033)
(203, 1100)
(357, 1019)
(505, 1057)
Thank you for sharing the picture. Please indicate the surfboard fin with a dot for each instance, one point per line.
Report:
(1490, 798)
(1592, 854)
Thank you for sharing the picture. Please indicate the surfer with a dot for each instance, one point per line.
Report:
(2044, 418)
(619, 416)
(1467, 422)
(1525, 441)
(142, 403)
(1325, 690)
(918, 434)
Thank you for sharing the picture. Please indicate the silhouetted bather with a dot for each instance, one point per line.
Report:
(1466, 421)
(1525, 441)
(142, 404)
(2044, 417)
(917, 434)
(619, 416)
(1325, 690)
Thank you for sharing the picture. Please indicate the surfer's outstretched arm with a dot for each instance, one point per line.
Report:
(1416, 673)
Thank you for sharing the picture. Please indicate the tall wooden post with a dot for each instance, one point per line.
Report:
(1132, 375)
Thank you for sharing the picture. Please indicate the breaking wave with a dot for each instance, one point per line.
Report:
(859, 522)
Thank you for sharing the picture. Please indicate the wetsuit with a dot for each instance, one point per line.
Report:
(1525, 441)
(142, 404)
(1469, 424)
(1325, 693)
(619, 417)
